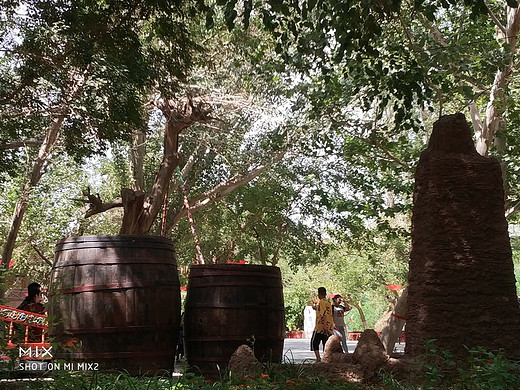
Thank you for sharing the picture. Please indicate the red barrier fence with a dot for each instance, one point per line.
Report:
(33, 326)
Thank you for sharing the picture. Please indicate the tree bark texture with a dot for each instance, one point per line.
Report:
(351, 302)
(77, 80)
(392, 331)
(137, 159)
(23, 200)
(37, 171)
(461, 288)
(485, 131)
(140, 210)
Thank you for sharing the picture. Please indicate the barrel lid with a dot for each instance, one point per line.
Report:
(256, 270)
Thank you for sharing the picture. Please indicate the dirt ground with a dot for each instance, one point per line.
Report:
(401, 368)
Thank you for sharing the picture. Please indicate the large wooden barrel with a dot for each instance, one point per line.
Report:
(115, 302)
(228, 305)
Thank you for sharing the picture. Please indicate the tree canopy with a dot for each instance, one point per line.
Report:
(305, 119)
(97, 63)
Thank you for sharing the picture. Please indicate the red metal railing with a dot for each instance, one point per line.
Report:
(34, 329)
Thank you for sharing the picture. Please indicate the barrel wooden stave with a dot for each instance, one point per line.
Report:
(120, 298)
(231, 305)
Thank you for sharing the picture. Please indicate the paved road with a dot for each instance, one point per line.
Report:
(298, 350)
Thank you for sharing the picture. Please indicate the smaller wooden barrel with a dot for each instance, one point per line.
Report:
(115, 302)
(228, 305)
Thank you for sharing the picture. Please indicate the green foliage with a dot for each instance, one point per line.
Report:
(374, 304)
(299, 290)
(280, 377)
(483, 370)
(515, 247)
(369, 86)
(439, 366)
(50, 214)
(326, 40)
(55, 213)
(376, 265)
(94, 62)
(361, 274)
(490, 371)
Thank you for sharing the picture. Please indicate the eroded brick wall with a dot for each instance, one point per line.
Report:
(461, 280)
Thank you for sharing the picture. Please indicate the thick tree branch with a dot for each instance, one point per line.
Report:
(137, 153)
(496, 103)
(374, 142)
(42, 255)
(512, 210)
(475, 118)
(140, 210)
(77, 80)
(179, 116)
(190, 162)
(97, 205)
(496, 21)
(22, 143)
(221, 190)
(228, 187)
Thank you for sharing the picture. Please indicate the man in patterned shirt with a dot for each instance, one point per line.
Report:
(324, 323)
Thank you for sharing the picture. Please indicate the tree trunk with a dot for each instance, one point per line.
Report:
(77, 80)
(351, 302)
(21, 205)
(140, 210)
(486, 131)
(392, 331)
(137, 159)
